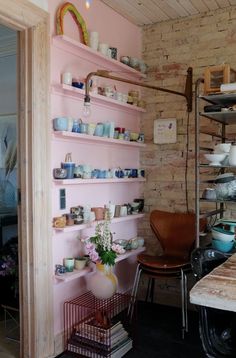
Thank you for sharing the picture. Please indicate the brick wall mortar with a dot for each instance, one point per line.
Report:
(169, 48)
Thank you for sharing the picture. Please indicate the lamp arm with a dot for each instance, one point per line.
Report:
(187, 94)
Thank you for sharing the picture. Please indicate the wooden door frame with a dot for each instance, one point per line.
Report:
(35, 252)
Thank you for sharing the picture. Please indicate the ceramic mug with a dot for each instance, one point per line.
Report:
(123, 210)
(112, 130)
(117, 211)
(67, 78)
(70, 124)
(60, 124)
(83, 128)
(69, 264)
(69, 219)
(111, 208)
(59, 173)
(99, 213)
(99, 130)
(112, 52)
(69, 166)
(103, 48)
(91, 128)
(94, 40)
(80, 263)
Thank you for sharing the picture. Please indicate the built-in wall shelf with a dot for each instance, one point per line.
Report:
(98, 181)
(94, 223)
(91, 138)
(77, 93)
(69, 276)
(88, 54)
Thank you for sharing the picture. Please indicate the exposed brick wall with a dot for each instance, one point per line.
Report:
(169, 48)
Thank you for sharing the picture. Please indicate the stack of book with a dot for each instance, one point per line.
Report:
(91, 340)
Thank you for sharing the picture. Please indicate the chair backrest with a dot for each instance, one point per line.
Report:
(175, 232)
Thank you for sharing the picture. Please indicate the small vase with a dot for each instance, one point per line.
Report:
(103, 283)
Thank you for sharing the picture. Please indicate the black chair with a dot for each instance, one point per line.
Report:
(217, 327)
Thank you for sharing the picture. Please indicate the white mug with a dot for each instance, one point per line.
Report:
(123, 211)
(103, 48)
(111, 208)
(91, 128)
(94, 40)
(67, 78)
(109, 53)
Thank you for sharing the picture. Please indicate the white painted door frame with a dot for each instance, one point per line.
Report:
(35, 253)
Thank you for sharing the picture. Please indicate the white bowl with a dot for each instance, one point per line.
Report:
(215, 159)
(222, 235)
(222, 148)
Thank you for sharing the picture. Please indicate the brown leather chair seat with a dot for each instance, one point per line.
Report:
(161, 262)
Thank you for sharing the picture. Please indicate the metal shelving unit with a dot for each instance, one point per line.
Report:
(223, 119)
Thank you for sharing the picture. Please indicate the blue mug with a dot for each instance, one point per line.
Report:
(70, 167)
(99, 130)
(119, 173)
(95, 173)
(60, 124)
(83, 127)
(102, 174)
(134, 173)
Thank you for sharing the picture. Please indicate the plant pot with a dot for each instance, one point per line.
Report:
(103, 283)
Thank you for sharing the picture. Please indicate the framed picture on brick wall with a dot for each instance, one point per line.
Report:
(165, 131)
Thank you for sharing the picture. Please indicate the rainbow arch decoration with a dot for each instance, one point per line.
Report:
(62, 10)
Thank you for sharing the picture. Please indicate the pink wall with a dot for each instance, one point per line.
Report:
(118, 32)
(113, 28)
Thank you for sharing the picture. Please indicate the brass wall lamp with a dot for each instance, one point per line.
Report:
(187, 94)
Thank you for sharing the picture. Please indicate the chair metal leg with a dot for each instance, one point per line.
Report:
(184, 302)
(152, 289)
(148, 290)
(134, 291)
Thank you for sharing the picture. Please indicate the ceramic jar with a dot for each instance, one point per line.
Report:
(232, 154)
(103, 283)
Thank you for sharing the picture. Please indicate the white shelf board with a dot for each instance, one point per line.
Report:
(69, 276)
(130, 253)
(94, 223)
(91, 138)
(77, 93)
(97, 181)
(101, 61)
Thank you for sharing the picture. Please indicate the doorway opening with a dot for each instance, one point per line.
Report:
(33, 165)
(9, 273)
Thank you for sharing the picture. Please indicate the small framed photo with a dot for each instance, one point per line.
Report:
(165, 131)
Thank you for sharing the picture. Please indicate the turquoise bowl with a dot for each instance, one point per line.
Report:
(224, 246)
